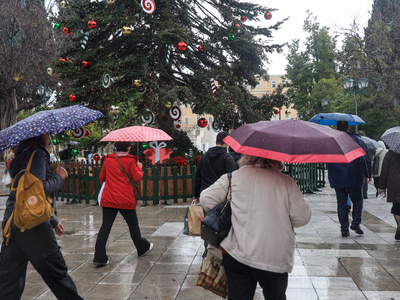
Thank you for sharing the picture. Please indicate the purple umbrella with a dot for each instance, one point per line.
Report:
(47, 121)
(294, 141)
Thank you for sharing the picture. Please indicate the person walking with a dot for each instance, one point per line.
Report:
(37, 245)
(348, 179)
(266, 207)
(389, 182)
(212, 165)
(117, 197)
(377, 162)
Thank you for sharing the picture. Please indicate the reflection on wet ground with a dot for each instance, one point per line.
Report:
(327, 266)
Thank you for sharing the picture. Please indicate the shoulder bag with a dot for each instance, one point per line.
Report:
(217, 223)
(136, 190)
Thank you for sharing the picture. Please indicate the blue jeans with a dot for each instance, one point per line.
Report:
(38, 246)
(356, 197)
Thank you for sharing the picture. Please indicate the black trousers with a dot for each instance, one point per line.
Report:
(38, 246)
(242, 281)
(109, 215)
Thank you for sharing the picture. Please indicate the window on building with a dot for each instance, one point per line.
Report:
(186, 121)
(287, 117)
(274, 117)
(257, 78)
(210, 120)
(273, 83)
(187, 105)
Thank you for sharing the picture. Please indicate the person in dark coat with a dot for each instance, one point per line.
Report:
(389, 181)
(212, 165)
(37, 245)
(348, 179)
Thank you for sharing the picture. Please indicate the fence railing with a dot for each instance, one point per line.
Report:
(167, 183)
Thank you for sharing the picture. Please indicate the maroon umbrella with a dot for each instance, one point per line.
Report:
(294, 141)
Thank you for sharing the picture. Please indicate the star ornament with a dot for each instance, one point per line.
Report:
(378, 53)
(380, 86)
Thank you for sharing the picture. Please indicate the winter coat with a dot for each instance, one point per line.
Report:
(352, 174)
(212, 165)
(266, 206)
(41, 168)
(118, 192)
(390, 176)
(378, 159)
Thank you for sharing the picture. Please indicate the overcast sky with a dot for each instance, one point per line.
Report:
(333, 14)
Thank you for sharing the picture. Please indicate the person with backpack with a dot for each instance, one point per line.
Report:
(37, 245)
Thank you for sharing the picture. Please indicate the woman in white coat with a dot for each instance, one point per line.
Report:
(266, 206)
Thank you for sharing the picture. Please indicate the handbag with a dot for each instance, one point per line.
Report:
(195, 215)
(212, 275)
(217, 223)
(136, 189)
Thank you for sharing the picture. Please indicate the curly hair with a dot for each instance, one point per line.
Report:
(249, 160)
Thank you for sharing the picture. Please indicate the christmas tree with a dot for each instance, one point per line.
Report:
(156, 55)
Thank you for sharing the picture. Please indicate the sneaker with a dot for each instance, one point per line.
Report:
(397, 235)
(101, 264)
(356, 228)
(148, 251)
(345, 234)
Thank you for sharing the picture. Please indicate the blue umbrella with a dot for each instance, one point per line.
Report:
(47, 121)
(332, 118)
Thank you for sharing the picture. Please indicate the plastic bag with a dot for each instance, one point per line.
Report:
(6, 178)
(186, 222)
(100, 193)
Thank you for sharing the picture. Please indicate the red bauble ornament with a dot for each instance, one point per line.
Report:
(181, 46)
(237, 25)
(72, 97)
(92, 24)
(243, 18)
(67, 31)
(64, 59)
(178, 126)
(202, 122)
(268, 15)
(201, 48)
(276, 112)
(87, 132)
(85, 63)
(96, 157)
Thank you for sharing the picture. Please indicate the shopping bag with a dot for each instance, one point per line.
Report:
(100, 193)
(212, 275)
(6, 178)
(196, 214)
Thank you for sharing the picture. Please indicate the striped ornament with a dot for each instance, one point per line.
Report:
(85, 39)
(115, 121)
(213, 87)
(168, 55)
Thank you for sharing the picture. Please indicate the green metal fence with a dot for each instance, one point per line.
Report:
(167, 183)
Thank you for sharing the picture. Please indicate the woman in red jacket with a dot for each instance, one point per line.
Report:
(118, 196)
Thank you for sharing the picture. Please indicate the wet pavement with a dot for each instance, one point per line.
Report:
(327, 266)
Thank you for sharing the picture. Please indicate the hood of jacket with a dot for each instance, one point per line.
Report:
(215, 152)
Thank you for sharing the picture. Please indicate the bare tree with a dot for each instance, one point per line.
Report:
(27, 47)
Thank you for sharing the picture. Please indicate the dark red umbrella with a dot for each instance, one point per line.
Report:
(294, 141)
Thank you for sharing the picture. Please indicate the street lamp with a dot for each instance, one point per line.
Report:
(324, 103)
(355, 87)
(44, 93)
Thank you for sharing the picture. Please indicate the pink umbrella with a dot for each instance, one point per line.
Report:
(136, 134)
